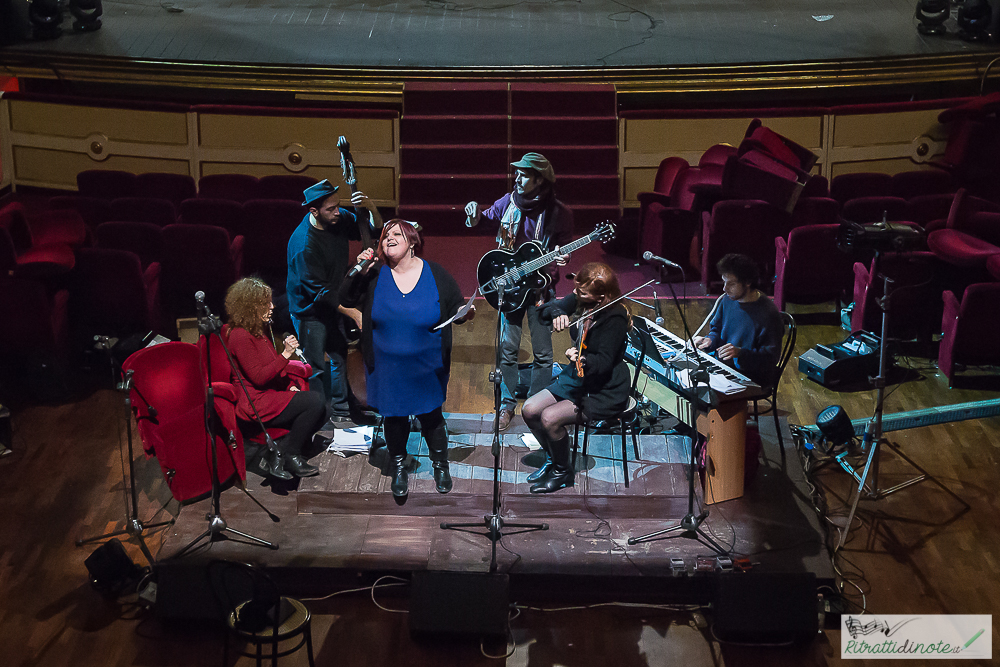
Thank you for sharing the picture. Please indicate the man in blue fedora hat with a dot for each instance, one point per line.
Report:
(530, 212)
(318, 260)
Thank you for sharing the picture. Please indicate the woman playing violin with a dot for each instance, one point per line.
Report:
(596, 385)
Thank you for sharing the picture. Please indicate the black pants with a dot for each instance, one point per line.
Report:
(303, 416)
(397, 430)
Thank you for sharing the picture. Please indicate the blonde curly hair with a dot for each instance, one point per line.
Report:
(247, 301)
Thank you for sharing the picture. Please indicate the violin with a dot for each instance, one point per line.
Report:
(581, 347)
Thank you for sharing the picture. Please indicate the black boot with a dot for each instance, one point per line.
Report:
(543, 441)
(299, 467)
(277, 466)
(437, 443)
(560, 475)
(400, 478)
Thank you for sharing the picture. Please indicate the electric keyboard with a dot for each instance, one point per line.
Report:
(674, 363)
(717, 410)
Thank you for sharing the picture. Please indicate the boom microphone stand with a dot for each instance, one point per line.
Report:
(494, 523)
(690, 525)
(134, 526)
(208, 324)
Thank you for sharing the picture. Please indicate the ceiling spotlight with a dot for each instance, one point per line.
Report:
(932, 14)
(974, 20)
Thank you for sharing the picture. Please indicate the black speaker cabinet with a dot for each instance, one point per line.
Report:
(458, 603)
(111, 570)
(756, 608)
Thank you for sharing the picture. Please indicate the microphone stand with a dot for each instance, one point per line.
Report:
(217, 526)
(134, 526)
(690, 525)
(494, 523)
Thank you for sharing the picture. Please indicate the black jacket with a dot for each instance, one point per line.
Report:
(360, 291)
(606, 380)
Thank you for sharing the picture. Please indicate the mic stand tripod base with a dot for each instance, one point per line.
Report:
(689, 527)
(133, 528)
(217, 528)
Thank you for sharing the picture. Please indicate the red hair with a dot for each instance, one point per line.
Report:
(599, 279)
(409, 232)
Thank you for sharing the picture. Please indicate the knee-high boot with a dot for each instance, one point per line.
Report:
(560, 475)
(543, 441)
(437, 443)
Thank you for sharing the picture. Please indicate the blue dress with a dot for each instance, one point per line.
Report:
(409, 377)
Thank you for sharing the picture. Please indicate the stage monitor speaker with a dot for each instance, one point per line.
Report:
(769, 608)
(111, 570)
(458, 603)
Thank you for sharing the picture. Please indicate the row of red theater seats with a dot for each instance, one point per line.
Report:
(696, 216)
(41, 242)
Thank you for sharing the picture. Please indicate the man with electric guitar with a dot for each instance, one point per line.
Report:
(530, 213)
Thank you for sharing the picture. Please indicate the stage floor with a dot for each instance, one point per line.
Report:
(346, 519)
(446, 34)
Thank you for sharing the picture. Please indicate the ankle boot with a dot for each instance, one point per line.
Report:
(543, 441)
(560, 475)
(442, 476)
(299, 467)
(277, 467)
(400, 478)
(437, 443)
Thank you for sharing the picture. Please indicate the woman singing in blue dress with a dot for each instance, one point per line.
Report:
(406, 361)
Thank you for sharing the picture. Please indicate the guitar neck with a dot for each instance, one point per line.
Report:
(548, 258)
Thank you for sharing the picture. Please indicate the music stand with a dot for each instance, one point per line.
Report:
(494, 522)
(690, 525)
(134, 526)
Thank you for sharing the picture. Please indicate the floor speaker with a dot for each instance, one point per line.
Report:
(758, 608)
(458, 604)
(111, 570)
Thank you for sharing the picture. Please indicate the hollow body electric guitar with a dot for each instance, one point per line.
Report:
(519, 273)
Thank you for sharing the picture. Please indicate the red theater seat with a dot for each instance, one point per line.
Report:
(809, 268)
(970, 329)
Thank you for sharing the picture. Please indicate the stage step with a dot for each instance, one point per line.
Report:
(458, 139)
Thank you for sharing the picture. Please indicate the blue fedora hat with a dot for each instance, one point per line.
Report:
(319, 191)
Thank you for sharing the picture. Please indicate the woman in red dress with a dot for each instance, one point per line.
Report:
(275, 386)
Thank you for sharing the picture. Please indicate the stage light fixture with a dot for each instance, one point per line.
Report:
(45, 17)
(835, 426)
(974, 20)
(87, 14)
(932, 14)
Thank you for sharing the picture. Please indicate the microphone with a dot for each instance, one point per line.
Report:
(203, 309)
(656, 307)
(297, 351)
(360, 266)
(650, 257)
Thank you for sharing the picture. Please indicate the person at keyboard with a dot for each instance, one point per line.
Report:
(597, 381)
(746, 330)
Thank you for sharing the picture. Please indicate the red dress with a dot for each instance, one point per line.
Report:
(265, 372)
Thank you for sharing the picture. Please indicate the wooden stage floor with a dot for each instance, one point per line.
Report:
(444, 34)
(347, 519)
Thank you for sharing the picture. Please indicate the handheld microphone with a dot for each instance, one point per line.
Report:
(650, 257)
(360, 266)
(297, 351)
(659, 312)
